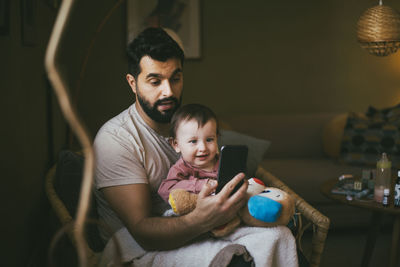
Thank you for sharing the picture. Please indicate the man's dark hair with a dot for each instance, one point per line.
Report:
(198, 112)
(155, 43)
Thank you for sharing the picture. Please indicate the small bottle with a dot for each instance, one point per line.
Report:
(385, 200)
(371, 181)
(397, 191)
(383, 177)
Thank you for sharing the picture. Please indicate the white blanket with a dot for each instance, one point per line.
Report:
(274, 246)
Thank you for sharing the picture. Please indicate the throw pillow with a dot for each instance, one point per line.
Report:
(257, 147)
(367, 136)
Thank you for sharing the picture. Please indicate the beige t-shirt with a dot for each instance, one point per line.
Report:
(128, 151)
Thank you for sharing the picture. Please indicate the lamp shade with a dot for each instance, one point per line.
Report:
(378, 30)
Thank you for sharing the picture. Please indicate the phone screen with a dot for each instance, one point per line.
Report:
(233, 160)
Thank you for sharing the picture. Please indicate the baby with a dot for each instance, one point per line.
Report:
(194, 134)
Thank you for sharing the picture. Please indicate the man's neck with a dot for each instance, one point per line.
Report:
(160, 128)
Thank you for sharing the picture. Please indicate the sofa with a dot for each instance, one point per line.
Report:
(303, 154)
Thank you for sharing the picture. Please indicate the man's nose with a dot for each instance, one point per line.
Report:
(166, 89)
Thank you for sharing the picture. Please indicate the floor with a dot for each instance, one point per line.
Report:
(344, 248)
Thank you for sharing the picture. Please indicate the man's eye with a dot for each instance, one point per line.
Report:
(155, 82)
(176, 79)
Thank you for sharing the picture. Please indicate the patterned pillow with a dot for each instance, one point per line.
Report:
(366, 137)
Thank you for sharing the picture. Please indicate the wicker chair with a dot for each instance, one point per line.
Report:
(307, 213)
(313, 217)
(64, 203)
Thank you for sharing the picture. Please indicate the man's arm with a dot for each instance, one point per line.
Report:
(132, 203)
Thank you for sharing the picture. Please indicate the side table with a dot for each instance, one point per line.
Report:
(377, 211)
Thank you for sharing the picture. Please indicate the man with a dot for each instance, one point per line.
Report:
(133, 156)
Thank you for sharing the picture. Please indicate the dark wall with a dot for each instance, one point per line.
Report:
(259, 57)
(24, 145)
(289, 57)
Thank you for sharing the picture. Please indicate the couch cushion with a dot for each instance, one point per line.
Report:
(284, 132)
(306, 175)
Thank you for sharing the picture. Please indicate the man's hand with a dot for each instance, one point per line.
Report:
(214, 210)
(132, 203)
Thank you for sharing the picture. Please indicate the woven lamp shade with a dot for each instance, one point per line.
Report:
(379, 30)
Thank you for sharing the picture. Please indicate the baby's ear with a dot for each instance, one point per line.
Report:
(171, 140)
(174, 144)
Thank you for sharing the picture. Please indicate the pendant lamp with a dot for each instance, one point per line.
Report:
(378, 30)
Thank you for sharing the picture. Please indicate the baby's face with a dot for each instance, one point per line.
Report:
(197, 145)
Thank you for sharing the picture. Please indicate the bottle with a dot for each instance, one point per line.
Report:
(385, 200)
(371, 181)
(397, 191)
(383, 177)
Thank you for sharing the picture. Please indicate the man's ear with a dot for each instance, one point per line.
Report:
(132, 82)
(174, 144)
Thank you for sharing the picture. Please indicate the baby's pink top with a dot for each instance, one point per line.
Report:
(184, 176)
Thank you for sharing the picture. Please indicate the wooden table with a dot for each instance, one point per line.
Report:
(377, 214)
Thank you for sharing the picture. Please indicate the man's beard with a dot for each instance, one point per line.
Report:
(154, 113)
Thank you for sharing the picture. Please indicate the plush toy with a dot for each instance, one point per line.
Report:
(183, 202)
(266, 207)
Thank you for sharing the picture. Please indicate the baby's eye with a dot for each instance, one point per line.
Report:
(193, 141)
(266, 191)
(210, 139)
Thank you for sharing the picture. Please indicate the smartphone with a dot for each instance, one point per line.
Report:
(233, 159)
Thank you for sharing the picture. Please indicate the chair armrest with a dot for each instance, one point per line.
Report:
(320, 222)
(57, 205)
(64, 215)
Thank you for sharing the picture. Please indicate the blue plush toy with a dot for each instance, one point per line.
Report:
(267, 206)
(264, 208)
